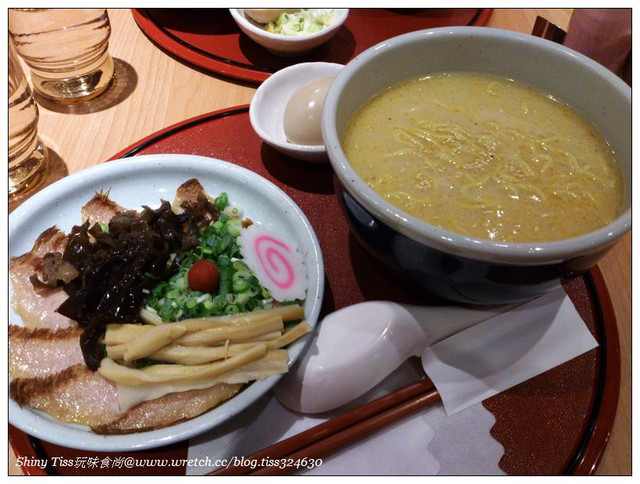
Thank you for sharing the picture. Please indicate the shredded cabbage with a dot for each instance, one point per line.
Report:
(304, 22)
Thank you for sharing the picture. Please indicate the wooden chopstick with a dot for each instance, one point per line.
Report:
(339, 431)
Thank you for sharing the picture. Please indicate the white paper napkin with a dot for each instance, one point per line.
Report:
(405, 447)
(461, 443)
(468, 367)
(505, 350)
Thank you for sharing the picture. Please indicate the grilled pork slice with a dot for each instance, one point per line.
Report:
(100, 209)
(51, 240)
(79, 395)
(169, 409)
(190, 191)
(35, 303)
(75, 395)
(39, 352)
(192, 194)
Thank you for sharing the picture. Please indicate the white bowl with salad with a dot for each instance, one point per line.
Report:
(289, 31)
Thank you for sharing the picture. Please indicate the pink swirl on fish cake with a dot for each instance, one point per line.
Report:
(274, 262)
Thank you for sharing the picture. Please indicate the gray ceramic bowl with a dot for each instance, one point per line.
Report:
(449, 264)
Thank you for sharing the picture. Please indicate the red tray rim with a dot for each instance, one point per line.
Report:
(599, 424)
(220, 65)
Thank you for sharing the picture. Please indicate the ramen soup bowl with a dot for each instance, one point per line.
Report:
(444, 262)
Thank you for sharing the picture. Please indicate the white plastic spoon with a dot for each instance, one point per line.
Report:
(358, 346)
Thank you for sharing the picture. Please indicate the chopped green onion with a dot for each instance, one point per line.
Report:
(239, 289)
(222, 201)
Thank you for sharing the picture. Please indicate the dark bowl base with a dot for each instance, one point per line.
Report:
(449, 276)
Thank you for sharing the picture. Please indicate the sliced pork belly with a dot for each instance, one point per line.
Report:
(37, 304)
(75, 395)
(39, 352)
(79, 395)
(51, 240)
(169, 409)
(190, 191)
(100, 209)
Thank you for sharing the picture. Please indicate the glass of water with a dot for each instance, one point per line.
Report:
(66, 51)
(27, 154)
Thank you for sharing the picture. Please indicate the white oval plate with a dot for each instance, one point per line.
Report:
(145, 180)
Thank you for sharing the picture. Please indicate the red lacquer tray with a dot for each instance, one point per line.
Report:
(210, 39)
(556, 423)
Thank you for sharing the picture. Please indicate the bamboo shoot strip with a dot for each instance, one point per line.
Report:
(151, 341)
(150, 316)
(291, 312)
(197, 355)
(123, 333)
(273, 363)
(290, 336)
(163, 373)
(212, 336)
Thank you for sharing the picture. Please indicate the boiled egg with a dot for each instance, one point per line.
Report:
(303, 113)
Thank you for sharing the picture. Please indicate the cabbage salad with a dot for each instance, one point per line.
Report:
(303, 22)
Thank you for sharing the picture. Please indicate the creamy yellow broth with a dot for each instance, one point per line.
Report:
(486, 157)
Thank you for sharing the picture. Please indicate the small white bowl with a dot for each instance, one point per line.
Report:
(266, 111)
(284, 44)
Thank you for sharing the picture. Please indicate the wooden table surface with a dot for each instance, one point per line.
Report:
(153, 90)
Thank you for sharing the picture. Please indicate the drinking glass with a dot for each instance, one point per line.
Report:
(66, 51)
(27, 154)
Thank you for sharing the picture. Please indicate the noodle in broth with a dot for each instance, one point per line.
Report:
(486, 157)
